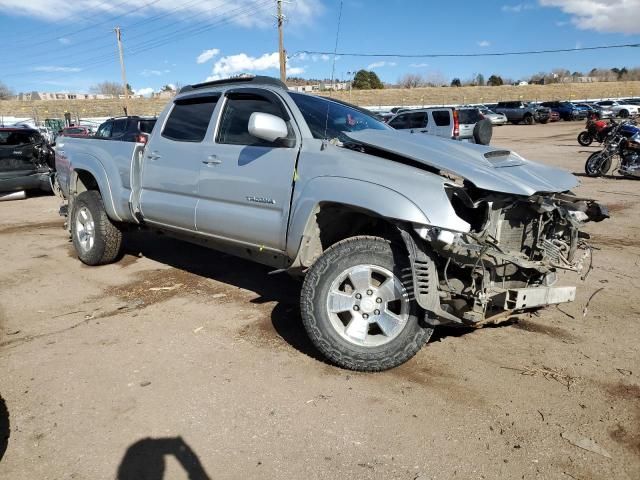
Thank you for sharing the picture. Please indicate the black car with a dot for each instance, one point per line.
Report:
(127, 129)
(26, 161)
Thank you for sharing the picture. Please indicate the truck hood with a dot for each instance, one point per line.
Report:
(488, 168)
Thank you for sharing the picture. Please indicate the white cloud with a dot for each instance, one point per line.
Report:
(147, 91)
(248, 13)
(484, 43)
(153, 73)
(611, 16)
(64, 41)
(295, 70)
(517, 8)
(418, 65)
(207, 55)
(55, 68)
(243, 63)
(380, 64)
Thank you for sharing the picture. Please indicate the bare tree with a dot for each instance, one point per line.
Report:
(411, 80)
(5, 92)
(107, 88)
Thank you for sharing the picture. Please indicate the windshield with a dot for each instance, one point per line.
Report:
(330, 119)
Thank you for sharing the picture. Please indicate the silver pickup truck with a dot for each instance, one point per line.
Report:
(394, 234)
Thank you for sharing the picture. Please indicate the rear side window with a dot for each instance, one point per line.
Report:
(146, 126)
(442, 118)
(469, 116)
(234, 126)
(189, 119)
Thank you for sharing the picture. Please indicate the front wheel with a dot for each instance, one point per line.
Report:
(529, 120)
(585, 139)
(597, 165)
(624, 113)
(356, 308)
(97, 240)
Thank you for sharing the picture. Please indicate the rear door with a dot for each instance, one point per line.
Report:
(245, 183)
(442, 124)
(172, 161)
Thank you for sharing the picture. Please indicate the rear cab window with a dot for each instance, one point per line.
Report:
(16, 138)
(189, 118)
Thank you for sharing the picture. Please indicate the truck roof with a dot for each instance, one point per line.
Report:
(257, 79)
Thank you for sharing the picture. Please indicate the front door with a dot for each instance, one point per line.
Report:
(245, 183)
(172, 161)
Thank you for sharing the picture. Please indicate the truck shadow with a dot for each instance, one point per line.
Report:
(5, 429)
(145, 459)
(282, 289)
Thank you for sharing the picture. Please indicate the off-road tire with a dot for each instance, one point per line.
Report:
(315, 318)
(601, 171)
(585, 139)
(483, 131)
(107, 246)
(528, 119)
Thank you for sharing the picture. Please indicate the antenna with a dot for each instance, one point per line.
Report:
(333, 70)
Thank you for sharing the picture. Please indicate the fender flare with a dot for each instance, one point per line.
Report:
(351, 192)
(93, 166)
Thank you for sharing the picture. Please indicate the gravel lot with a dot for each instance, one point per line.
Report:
(210, 374)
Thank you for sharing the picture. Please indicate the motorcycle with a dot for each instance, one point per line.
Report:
(595, 130)
(621, 145)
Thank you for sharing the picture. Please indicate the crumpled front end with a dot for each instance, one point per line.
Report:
(507, 261)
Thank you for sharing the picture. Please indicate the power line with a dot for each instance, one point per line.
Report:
(465, 55)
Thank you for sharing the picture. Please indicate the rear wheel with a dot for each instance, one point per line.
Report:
(357, 309)
(624, 113)
(97, 240)
(585, 139)
(597, 165)
(528, 119)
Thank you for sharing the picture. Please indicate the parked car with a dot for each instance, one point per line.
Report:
(600, 113)
(624, 110)
(448, 122)
(394, 233)
(496, 118)
(517, 112)
(127, 129)
(554, 116)
(75, 132)
(26, 161)
(567, 110)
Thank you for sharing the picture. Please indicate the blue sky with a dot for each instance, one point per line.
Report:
(62, 45)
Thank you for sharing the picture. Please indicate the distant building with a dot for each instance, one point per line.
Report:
(26, 96)
(303, 88)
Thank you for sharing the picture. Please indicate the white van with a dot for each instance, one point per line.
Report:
(466, 124)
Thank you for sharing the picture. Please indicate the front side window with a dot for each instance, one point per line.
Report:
(104, 131)
(328, 119)
(234, 126)
(189, 119)
(442, 118)
(400, 122)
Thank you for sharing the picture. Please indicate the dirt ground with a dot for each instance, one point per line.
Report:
(211, 376)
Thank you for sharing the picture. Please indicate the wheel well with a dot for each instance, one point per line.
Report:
(85, 181)
(334, 222)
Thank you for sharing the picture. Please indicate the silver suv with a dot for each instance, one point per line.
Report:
(465, 124)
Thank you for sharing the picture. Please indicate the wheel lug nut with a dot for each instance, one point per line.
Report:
(356, 308)
(369, 292)
(365, 316)
(358, 296)
(378, 300)
(376, 312)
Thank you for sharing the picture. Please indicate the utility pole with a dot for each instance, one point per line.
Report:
(123, 70)
(283, 58)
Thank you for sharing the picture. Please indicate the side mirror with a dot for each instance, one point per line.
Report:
(267, 127)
